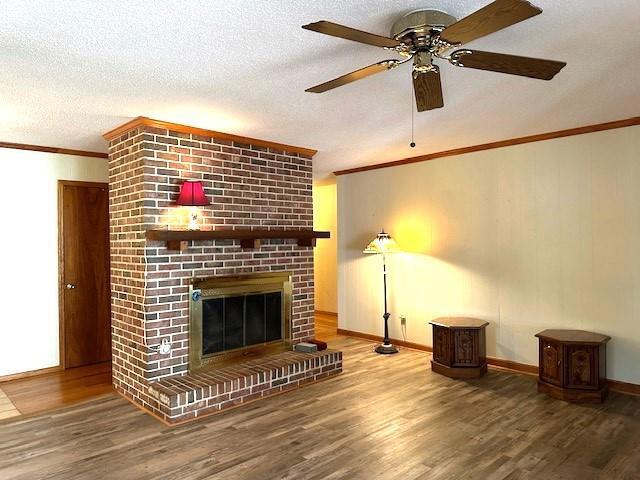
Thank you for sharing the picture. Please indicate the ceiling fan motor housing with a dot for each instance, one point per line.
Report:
(418, 26)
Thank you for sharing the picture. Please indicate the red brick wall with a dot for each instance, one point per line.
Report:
(212, 391)
(249, 187)
(126, 200)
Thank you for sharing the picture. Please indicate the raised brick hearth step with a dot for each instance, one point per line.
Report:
(190, 396)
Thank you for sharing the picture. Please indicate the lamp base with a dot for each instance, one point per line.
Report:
(193, 226)
(386, 349)
(193, 219)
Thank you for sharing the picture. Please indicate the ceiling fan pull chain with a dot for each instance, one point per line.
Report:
(412, 144)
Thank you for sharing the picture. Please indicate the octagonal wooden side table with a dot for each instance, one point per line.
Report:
(459, 347)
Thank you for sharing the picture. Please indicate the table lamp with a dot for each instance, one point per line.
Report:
(192, 195)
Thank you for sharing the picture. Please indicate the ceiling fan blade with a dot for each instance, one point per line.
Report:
(335, 30)
(510, 64)
(491, 18)
(353, 76)
(428, 90)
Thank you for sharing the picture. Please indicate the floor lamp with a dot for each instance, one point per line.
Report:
(382, 245)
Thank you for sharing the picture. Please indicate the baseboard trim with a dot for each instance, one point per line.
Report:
(376, 338)
(513, 366)
(30, 373)
(327, 313)
(624, 387)
(500, 363)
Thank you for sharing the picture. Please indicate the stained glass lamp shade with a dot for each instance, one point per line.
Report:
(383, 243)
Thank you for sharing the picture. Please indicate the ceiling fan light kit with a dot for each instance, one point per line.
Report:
(427, 35)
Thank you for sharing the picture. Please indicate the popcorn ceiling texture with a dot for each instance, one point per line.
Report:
(73, 70)
(249, 187)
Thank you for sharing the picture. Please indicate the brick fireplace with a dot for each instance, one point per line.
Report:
(252, 184)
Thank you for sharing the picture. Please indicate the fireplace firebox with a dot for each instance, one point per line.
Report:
(238, 316)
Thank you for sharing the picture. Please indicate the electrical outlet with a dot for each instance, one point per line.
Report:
(403, 320)
(165, 347)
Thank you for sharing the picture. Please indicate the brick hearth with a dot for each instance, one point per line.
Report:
(250, 185)
(209, 391)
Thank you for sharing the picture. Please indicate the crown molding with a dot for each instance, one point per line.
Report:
(63, 151)
(150, 122)
(502, 143)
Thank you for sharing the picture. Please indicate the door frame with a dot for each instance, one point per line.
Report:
(61, 325)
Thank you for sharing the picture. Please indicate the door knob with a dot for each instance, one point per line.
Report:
(70, 286)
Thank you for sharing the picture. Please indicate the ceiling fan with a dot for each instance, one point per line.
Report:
(425, 35)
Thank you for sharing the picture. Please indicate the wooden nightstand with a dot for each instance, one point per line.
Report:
(572, 365)
(459, 349)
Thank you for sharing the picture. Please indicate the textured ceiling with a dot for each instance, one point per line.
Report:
(71, 70)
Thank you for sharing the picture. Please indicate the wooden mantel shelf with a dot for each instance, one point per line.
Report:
(178, 239)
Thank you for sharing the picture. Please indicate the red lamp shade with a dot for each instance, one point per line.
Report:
(192, 194)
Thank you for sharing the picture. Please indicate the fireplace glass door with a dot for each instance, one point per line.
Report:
(231, 317)
(239, 321)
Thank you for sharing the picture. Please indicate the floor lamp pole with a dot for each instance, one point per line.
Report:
(386, 346)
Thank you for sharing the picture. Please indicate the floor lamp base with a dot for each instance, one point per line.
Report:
(386, 349)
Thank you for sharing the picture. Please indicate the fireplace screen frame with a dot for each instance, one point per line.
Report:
(228, 286)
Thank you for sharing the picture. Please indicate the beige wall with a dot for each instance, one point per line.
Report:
(325, 253)
(528, 237)
(29, 279)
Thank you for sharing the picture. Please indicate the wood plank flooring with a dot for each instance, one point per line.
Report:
(7, 408)
(326, 327)
(54, 390)
(57, 389)
(385, 417)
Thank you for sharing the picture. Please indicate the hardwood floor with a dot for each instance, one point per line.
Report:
(326, 326)
(57, 389)
(385, 417)
(7, 408)
(54, 390)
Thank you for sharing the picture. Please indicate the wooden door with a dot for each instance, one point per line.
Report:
(84, 273)
(550, 362)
